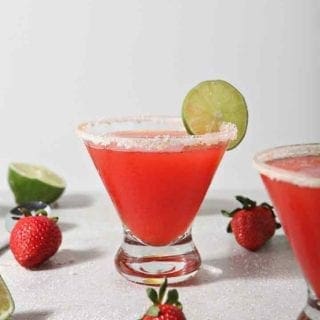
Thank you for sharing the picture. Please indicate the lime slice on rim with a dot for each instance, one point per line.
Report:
(212, 102)
(6, 301)
(34, 183)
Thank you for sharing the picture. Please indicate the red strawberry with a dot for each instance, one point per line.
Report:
(253, 225)
(171, 309)
(34, 239)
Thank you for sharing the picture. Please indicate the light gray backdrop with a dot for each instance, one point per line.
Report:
(62, 62)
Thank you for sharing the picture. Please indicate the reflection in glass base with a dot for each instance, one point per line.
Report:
(312, 309)
(149, 265)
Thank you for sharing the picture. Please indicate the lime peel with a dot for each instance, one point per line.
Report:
(6, 301)
(34, 183)
(212, 102)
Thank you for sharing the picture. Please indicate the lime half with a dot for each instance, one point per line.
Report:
(34, 183)
(212, 102)
(6, 301)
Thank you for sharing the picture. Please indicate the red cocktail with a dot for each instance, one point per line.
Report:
(157, 176)
(292, 177)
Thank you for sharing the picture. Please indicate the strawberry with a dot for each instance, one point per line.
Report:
(171, 309)
(253, 225)
(34, 239)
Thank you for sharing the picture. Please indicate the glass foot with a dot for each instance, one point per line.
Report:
(312, 309)
(149, 265)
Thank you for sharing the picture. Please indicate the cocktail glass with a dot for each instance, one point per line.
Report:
(291, 175)
(157, 176)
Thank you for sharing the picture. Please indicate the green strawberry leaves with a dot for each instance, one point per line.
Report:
(153, 295)
(158, 298)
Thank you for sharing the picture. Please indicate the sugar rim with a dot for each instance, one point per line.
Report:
(228, 131)
(276, 173)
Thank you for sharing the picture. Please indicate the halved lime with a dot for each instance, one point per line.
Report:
(6, 301)
(212, 102)
(34, 183)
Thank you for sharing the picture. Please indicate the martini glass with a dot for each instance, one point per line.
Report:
(291, 175)
(157, 176)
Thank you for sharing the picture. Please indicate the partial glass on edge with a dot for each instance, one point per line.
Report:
(291, 175)
(157, 176)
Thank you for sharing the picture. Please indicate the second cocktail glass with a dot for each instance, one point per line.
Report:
(157, 176)
(291, 175)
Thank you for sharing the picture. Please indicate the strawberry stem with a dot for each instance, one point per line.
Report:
(246, 202)
(162, 290)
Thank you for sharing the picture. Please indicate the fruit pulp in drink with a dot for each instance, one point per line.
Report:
(157, 193)
(299, 209)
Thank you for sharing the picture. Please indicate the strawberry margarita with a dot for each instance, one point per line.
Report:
(292, 177)
(157, 194)
(157, 176)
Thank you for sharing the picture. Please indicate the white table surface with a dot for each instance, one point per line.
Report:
(80, 281)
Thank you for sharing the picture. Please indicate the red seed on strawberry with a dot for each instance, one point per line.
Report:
(34, 239)
(252, 225)
(169, 309)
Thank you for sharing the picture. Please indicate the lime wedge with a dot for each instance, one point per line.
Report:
(6, 301)
(212, 102)
(34, 183)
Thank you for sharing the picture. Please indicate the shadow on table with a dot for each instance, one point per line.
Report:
(68, 257)
(273, 261)
(4, 210)
(214, 206)
(75, 201)
(66, 226)
(32, 315)
(4, 244)
(3, 248)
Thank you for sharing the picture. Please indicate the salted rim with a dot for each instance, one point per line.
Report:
(228, 131)
(276, 173)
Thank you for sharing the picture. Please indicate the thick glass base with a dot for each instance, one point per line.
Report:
(149, 265)
(312, 309)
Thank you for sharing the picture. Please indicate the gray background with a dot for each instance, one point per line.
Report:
(62, 62)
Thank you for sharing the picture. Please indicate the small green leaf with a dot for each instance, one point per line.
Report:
(246, 202)
(152, 294)
(172, 297)
(226, 213)
(54, 219)
(230, 214)
(153, 311)
(266, 205)
(41, 212)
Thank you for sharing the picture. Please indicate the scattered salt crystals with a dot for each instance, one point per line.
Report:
(232, 284)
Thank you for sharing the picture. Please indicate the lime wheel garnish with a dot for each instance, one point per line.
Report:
(211, 103)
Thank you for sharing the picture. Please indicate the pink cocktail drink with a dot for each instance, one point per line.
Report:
(157, 176)
(292, 177)
(157, 194)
